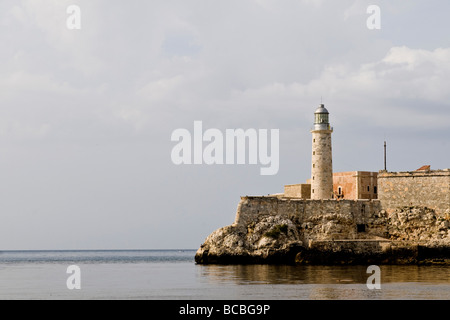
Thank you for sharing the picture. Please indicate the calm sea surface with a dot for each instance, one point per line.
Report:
(172, 274)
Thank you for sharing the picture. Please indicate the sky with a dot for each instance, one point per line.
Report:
(87, 114)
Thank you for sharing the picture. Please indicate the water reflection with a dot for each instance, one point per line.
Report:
(269, 274)
(359, 292)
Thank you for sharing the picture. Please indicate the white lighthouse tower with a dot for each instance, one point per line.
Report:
(322, 164)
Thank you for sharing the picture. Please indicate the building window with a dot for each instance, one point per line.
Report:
(368, 188)
(312, 190)
(314, 140)
(360, 228)
(313, 177)
(314, 153)
(339, 190)
(375, 189)
(314, 165)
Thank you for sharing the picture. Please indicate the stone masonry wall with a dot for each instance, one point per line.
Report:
(428, 189)
(302, 191)
(322, 165)
(318, 219)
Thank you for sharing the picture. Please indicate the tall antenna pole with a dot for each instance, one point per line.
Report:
(385, 156)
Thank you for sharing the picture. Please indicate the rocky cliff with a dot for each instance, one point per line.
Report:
(288, 231)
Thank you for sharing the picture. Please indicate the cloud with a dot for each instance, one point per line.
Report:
(157, 66)
(379, 90)
(100, 103)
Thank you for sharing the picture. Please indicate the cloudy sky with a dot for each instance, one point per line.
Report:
(86, 116)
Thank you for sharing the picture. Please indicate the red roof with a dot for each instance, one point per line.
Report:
(424, 168)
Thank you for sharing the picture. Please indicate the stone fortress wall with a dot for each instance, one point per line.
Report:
(319, 219)
(397, 190)
(429, 189)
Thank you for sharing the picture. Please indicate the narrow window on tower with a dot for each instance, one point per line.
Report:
(368, 188)
(375, 189)
(314, 153)
(314, 165)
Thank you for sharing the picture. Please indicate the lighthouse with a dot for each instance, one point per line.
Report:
(322, 164)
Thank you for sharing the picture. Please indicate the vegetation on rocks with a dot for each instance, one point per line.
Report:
(275, 232)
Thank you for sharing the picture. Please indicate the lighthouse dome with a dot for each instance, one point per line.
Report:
(321, 109)
(321, 118)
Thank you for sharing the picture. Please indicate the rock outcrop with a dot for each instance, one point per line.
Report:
(419, 225)
(273, 239)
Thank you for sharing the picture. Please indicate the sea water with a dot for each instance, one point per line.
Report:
(173, 274)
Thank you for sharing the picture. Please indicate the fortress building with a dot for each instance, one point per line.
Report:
(357, 217)
(355, 185)
(423, 187)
